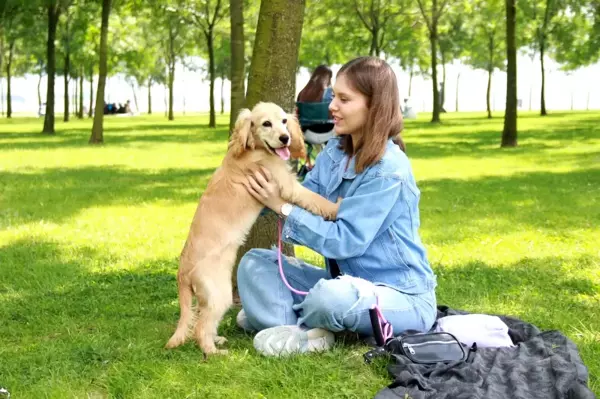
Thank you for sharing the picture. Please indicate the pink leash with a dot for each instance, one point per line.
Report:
(385, 328)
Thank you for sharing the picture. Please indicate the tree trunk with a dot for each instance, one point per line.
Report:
(587, 104)
(373, 49)
(1, 61)
(436, 95)
(171, 79)
(410, 79)
(273, 78)
(443, 93)
(211, 68)
(39, 92)
(66, 97)
(488, 94)
(456, 97)
(166, 97)
(80, 113)
(273, 69)
(149, 96)
(509, 134)
(222, 94)
(543, 90)
(67, 69)
(135, 101)
(90, 110)
(97, 136)
(75, 97)
(53, 14)
(1, 95)
(11, 48)
(238, 65)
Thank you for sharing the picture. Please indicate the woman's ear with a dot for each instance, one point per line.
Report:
(297, 147)
(241, 137)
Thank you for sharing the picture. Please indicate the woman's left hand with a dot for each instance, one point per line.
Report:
(263, 188)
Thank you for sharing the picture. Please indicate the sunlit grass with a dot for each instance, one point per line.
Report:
(89, 240)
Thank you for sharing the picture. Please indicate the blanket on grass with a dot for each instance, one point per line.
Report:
(542, 365)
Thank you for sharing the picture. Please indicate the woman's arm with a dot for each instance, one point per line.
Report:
(359, 219)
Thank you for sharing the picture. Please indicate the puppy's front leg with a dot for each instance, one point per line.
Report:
(297, 194)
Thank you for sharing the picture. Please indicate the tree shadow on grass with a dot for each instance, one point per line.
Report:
(57, 194)
(69, 326)
(555, 203)
(104, 329)
(483, 139)
(116, 136)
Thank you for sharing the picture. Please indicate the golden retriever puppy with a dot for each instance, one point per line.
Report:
(265, 136)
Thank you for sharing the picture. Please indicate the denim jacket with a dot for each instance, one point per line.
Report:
(376, 234)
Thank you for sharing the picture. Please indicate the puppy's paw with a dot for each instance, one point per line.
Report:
(175, 341)
(220, 340)
(331, 214)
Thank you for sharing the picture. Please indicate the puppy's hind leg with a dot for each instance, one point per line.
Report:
(185, 308)
(217, 300)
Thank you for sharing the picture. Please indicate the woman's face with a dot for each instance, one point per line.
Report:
(348, 108)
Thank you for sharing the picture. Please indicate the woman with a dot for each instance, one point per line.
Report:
(318, 88)
(374, 243)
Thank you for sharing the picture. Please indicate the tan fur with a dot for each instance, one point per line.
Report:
(225, 214)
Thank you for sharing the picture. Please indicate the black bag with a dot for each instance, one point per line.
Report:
(429, 348)
(424, 348)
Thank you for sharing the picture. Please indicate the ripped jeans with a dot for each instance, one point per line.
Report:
(333, 304)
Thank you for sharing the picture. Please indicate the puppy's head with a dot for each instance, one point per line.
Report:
(269, 127)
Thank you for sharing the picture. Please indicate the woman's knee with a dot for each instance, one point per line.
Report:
(339, 304)
(333, 297)
(254, 263)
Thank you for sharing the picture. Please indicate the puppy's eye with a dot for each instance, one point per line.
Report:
(267, 124)
(284, 121)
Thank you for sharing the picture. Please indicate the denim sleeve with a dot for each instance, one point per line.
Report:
(311, 180)
(358, 221)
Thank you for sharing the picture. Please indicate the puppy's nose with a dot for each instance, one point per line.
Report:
(284, 138)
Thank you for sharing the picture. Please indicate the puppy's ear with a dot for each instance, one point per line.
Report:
(297, 148)
(241, 137)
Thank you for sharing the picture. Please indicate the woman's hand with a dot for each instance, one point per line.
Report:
(260, 185)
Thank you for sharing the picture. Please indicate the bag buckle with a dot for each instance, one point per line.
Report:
(374, 353)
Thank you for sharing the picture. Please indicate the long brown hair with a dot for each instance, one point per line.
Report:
(375, 79)
(319, 80)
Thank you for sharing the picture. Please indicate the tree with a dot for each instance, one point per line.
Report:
(223, 62)
(379, 20)
(541, 16)
(53, 8)
(172, 29)
(576, 34)
(432, 15)
(487, 36)
(66, 42)
(238, 60)
(97, 136)
(411, 51)
(206, 18)
(452, 42)
(273, 78)
(509, 134)
(15, 44)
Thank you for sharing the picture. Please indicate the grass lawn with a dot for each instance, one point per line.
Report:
(90, 236)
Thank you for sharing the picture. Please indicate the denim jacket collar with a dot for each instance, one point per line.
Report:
(340, 158)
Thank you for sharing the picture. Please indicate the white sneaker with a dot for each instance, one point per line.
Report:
(287, 340)
(242, 321)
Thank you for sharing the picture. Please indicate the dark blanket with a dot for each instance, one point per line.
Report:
(543, 365)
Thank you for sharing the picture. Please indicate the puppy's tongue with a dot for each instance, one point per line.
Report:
(283, 152)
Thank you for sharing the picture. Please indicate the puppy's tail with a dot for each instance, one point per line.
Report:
(186, 313)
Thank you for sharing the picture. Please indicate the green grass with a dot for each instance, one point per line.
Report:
(89, 240)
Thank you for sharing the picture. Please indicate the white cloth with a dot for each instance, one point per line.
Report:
(485, 330)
